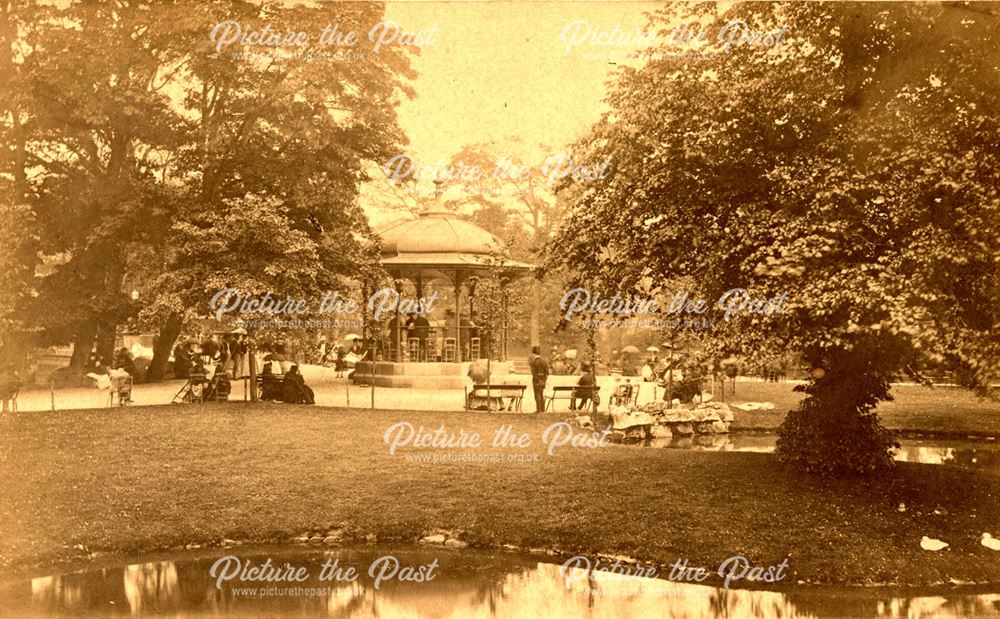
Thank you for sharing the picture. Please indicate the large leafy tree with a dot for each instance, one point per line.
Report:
(90, 116)
(293, 130)
(852, 166)
(143, 136)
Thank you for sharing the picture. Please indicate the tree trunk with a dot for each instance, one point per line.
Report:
(163, 346)
(83, 343)
(106, 333)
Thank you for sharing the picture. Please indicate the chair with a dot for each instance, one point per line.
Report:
(413, 346)
(474, 348)
(625, 394)
(431, 349)
(450, 350)
(123, 390)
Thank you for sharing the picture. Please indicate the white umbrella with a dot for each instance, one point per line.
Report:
(352, 336)
(652, 349)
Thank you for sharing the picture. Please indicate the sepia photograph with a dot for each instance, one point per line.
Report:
(499, 309)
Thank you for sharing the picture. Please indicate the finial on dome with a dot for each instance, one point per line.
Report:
(437, 207)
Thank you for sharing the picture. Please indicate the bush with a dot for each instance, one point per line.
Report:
(835, 430)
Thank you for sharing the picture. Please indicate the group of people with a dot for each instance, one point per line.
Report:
(563, 362)
(290, 387)
(338, 356)
(586, 384)
(229, 355)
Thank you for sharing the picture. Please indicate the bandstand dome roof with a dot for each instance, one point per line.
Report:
(435, 232)
(437, 240)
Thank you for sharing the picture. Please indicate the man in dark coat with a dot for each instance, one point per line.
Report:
(584, 389)
(421, 330)
(539, 376)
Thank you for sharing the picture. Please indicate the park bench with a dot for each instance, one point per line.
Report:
(275, 380)
(567, 393)
(495, 397)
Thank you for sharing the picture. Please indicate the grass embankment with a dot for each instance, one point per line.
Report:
(147, 478)
(949, 411)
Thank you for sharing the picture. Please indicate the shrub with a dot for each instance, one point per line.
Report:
(835, 430)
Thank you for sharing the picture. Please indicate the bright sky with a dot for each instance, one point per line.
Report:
(497, 69)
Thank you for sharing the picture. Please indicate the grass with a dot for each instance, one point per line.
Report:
(916, 409)
(150, 478)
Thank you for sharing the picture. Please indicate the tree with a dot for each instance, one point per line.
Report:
(296, 132)
(131, 120)
(89, 117)
(852, 166)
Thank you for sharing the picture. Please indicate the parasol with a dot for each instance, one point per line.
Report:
(352, 336)
(630, 349)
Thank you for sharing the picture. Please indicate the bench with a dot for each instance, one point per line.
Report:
(495, 397)
(277, 380)
(567, 393)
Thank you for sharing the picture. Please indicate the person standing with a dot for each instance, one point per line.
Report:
(539, 376)
(10, 384)
(421, 330)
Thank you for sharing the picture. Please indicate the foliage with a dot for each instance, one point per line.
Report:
(497, 306)
(853, 166)
(139, 135)
(835, 430)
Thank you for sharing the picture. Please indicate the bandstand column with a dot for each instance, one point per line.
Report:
(399, 324)
(458, 316)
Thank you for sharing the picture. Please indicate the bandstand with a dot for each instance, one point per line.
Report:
(438, 249)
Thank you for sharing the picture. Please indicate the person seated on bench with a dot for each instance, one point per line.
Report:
(270, 385)
(584, 388)
(295, 390)
(478, 373)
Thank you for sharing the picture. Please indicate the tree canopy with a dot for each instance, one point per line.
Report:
(853, 166)
(148, 152)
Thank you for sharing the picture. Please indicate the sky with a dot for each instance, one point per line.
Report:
(492, 71)
(498, 69)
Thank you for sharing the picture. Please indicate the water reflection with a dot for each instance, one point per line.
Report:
(469, 584)
(969, 454)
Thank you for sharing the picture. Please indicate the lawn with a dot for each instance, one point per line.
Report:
(916, 409)
(148, 478)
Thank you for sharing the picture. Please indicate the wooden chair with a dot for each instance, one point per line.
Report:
(625, 394)
(474, 350)
(430, 349)
(450, 350)
(413, 347)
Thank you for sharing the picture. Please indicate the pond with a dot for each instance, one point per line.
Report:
(977, 454)
(458, 584)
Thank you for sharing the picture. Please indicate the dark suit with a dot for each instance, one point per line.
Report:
(539, 376)
(584, 391)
